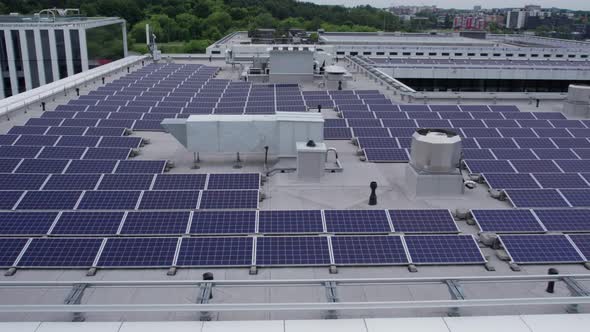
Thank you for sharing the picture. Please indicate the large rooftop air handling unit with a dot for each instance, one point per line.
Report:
(577, 103)
(434, 160)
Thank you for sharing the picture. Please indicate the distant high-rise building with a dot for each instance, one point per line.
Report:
(516, 19)
(51, 45)
(476, 8)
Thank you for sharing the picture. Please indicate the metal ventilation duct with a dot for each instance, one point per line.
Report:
(435, 150)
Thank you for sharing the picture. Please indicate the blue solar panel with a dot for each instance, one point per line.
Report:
(86, 141)
(43, 122)
(141, 166)
(43, 166)
(554, 154)
(21, 181)
(50, 152)
(534, 123)
(26, 223)
(180, 181)
(396, 132)
(478, 154)
(312, 250)
(386, 155)
(169, 200)
(155, 223)
(567, 123)
(49, 200)
(368, 250)
(496, 143)
(18, 152)
(56, 252)
(549, 115)
(492, 123)
(10, 250)
(567, 143)
(424, 115)
(481, 132)
(519, 115)
(434, 123)
(107, 153)
(335, 123)
(577, 197)
(565, 180)
(75, 131)
(21, 130)
(138, 252)
(9, 198)
(120, 142)
(510, 181)
(423, 221)
(443, 249)
(489, 166)
(126, 182)
(220, 251)
(337, 133)
(504, 108)
(88, 223)
(109, 200)
(582, 242)
(506, 221)
(377, 142)
(535, 166)
(455, 115)
(104, 131)
(223, 222)
(233, 181)
(537, 198)
(72, 182)
(370, 132)
(289, 222)
(34, 140)
(357, 221)
(512, 154)
(572, 166)
(536, 249)
(517, 132)
(229, 199)
(91, 166)
(552, 132)
(375, 123)
(565, 220)
(474, 108)
(578, 132)
(468, 123)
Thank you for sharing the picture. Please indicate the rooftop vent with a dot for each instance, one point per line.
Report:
(435, 150)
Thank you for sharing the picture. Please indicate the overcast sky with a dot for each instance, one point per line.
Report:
(568, 4)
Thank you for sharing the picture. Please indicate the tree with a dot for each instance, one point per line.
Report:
(221, 20)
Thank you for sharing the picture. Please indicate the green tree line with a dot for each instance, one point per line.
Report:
(191, 25)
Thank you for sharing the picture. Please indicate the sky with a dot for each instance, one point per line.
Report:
(568, 4)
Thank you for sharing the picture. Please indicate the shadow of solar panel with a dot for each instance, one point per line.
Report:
(510, 181)
(50, 152)
(540, 249)
(155, 223)
(55, 252)
(42, 166)
(229, 199)
(368, 250)
(357, 221)
(290, 222)
(561, 180)
(9, 151)
(10, 250)
(555, 154)
(72, 182)
(126, 182)
(219, 251)
(109, 200)
(423, 221)
(577, 197)
(49, 200)
(565, 220)
(443, 249)
(91, 166)
(26, 223)
(535, 198)
(386, 155)
(138, 252)
(141, 166)
(169, 200)
(507, 221)
(312, 250)
(582, 243)
(88, 223)
(233, 181)
(21, 181)
(475, 166)
(223, 222)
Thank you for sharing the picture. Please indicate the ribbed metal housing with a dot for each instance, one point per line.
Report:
(435, 150)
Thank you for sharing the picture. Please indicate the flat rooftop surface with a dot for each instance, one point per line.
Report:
(376, 38)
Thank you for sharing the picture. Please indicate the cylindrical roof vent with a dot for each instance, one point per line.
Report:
(435, 150)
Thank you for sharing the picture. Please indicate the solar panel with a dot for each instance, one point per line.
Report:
(21, 130)
(578, 132)
(357, 221)
(56, 252)
(180, 181)
(42, 166)
(21, 181)
(474, 108)
(233, 181)
(562, 180)
(88, 223)
(370, 132)
(468, 123)
(33, 140)
(126, 182)
(577, 197)
(138, 252)
(155, 223)
(85, 141)
(534, 123)
(537, 198)
(478, 154)
(536, 249)
(72, 182)
(554, 154)
(311, 250)
(377, 142)
(517, 132)
(443, 249)
(229, 199)
(567, 123)
(290, 222)
(552, 132)
(26, 223)
(337, 133)
(141, 166)
(104, 131)
(582, 242)
(496, 143)
(50, 152)
(219, 251)
(423, 221)
(109, 200)
(364, 123)
(573, 166)
(489, 166)
(506, 221)
(107, 153)
(49, 200)
(481, 132)
(513, 154)
(120, 142)
(75, 131)
(510, 181)
(91, 166)
(18, 152)
(565, 220)
(369, 250)
(386, 155)
(10, 250)
(535, 166)
(549, 115)
(567, 143)
(504, 108)
(223, 222)
(493, 123)
(169, 200)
